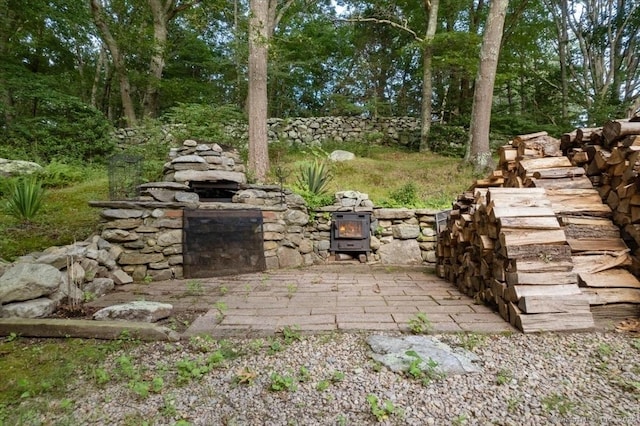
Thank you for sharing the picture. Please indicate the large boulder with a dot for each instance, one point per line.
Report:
(25, 281)
(400, 252)
(36, 308)
(12, 168)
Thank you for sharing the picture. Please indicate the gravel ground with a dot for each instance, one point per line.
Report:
(558, 379)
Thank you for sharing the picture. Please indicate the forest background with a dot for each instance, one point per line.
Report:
(70, 70)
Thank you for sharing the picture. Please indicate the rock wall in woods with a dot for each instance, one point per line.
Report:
(313, 130)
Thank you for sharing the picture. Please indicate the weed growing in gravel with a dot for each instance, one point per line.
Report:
(304, 374)
(559, 403)
(245, 376)
(275, 346)
(421, 370)
(202, 343)
(420, 324)
(291, 334)
(337, 376)
(101, 376)
(459, 420)
(381, 410)
(281, 382)
(504, 376)
(322, 385)
(470, 341)
(635, 343)
(513, 403)
(168, 408)
(224, 290)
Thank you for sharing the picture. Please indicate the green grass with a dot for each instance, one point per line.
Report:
(35, 371)
(437, 179)
(65, 217)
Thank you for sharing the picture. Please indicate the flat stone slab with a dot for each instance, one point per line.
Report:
(393, 352)
(138, 310)
(87, 329)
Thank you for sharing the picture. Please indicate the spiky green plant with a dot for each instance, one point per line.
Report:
(25, 198)
(314, 177)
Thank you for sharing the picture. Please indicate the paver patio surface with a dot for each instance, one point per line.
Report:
(334, 297)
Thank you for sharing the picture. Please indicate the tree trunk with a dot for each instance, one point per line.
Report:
(431, 7)
(118, 63)
(257, 105)
(160, 12)
(478, 151)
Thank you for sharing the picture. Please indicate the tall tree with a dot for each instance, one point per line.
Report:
(478, 150)
(163, 12)
(257, 99)
(119, 64)
(431, 7)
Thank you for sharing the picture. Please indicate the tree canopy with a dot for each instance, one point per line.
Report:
(73, 68)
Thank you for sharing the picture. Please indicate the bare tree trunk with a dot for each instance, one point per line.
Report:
(257, 99)
(118, 63)
(478, 151)
(96, 78)
(564, 42)
(431, 7)
(160, 12)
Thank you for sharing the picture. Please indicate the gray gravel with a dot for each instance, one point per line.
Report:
(557, 379)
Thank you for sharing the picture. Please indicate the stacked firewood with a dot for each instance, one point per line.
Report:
(543, 248)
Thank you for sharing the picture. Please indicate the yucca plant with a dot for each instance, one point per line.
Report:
(25, 198)
(314, 177)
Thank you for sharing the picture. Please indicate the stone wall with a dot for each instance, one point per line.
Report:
(150, 233)
(311, 130)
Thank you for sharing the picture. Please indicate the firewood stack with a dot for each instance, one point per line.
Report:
(543, 248)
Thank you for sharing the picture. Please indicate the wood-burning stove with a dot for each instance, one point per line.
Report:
(350, 232)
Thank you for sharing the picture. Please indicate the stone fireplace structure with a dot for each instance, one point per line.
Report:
(177, 228)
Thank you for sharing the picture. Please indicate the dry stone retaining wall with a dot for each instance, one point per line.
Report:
(310, 130)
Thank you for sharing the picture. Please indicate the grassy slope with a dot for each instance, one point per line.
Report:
(66, 216)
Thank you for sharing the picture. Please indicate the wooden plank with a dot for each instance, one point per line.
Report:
(541, 278)
(510, 238)
(544, 305)
(599, 245)
(533, 323)
(514, 293)
(609, 278)
(603, 296)
(588, 221)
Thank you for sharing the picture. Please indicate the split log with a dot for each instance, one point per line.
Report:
(616, 129)
(612, 278)
(519, 237)
(515, 293)
(580, 182)
(542, 305)
(541, 252)
(555, 322)
(545, 222)
(538, 265)
(603, 296)
(559, 172)
(597, 245)
(541, 278)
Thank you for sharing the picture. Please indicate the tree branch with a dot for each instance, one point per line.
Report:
(393, 24)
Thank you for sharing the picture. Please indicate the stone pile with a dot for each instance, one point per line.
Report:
(200, 162)
(37, 284)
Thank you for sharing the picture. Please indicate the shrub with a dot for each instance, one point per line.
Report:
(64, 128)
(204, 122)
(25, 199)
(57, 174)
(450, 141)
